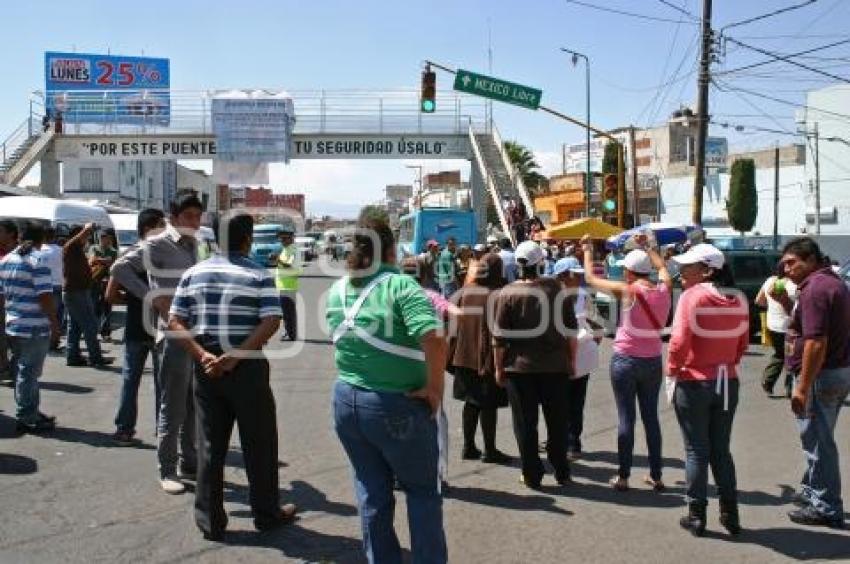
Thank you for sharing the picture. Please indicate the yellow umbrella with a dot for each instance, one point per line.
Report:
(576, 228)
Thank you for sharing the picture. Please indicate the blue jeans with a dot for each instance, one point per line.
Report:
(388, 435)
(135, 356)
(637, 378)
(26, 364)
(707, 430)
(82, 322)
(447, 289)
(821, 483)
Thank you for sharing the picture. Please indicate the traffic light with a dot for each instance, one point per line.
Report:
(428, 99)
(609, 194)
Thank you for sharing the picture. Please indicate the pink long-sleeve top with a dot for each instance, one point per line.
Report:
(710, 330)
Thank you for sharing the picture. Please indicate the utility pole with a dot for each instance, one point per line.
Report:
(635, 188)
(702, 112)
(776, 197)
(817, 180)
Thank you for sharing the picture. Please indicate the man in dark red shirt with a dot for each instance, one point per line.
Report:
(818, 350)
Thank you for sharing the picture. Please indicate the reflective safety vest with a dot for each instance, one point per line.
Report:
(288, 268)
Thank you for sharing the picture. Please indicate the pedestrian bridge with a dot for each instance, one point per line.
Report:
(329, 124)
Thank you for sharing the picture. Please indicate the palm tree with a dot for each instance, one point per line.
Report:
(523, 161)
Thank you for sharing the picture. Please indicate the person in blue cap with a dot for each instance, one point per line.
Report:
(569, 272)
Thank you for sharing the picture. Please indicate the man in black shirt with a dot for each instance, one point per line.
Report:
(138, 342)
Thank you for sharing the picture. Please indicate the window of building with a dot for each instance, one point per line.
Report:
(91, 180)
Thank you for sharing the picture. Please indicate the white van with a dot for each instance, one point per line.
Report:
(53, 211)
(126, 229)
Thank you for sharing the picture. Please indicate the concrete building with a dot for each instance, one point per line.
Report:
(135, 184)
(397, 200)
(444, 189)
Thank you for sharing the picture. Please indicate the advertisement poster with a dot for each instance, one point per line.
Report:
(87, 88)
(253, 127)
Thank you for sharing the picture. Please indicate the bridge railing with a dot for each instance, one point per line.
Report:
(317, 111)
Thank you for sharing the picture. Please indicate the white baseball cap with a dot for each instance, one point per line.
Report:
(529, 252)
(637, 261)
(479, 248)
(705, 253)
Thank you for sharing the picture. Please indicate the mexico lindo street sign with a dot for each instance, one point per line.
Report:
(497, 89)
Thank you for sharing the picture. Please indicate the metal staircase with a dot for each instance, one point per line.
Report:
(502, 181)
(22, 149)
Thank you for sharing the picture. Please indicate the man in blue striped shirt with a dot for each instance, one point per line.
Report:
(27, 293)
(225, 309)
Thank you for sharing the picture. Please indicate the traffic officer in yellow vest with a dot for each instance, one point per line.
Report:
(288, 271)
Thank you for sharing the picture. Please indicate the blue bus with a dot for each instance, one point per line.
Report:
(417, 228)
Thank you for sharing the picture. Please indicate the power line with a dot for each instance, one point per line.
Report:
(623, 12)
(789, 60)
(768, 15)
(730, 88)
(679, 9)
(761, 63)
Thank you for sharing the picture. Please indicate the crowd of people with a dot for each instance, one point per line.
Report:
(514, 327)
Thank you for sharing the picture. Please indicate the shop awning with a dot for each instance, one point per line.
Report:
(576, 228)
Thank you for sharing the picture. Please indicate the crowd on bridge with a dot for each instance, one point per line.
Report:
(515, 326)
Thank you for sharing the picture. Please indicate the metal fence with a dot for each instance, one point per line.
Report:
(317, 111)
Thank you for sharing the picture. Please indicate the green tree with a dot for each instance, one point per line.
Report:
(523, 161)
(374, 212)
(610, 158)
(742, 206)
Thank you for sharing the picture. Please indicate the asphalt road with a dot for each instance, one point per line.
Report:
(74, 497)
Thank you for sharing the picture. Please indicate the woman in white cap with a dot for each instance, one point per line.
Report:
(710, 334)
(636, 370)
(533, 344)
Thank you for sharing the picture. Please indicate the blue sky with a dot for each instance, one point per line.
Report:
(380, 44)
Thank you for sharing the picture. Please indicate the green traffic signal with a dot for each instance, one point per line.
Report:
(609, 205)
(428, 106)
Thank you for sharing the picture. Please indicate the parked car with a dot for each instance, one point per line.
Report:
(306, 247)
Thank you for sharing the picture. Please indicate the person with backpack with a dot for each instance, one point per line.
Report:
(636, 371)
(709, 336)
(391, 358)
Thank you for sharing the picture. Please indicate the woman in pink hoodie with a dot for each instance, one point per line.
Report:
(709, 336)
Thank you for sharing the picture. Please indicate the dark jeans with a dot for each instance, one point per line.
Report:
(242, 396)
(5, 368)
(638, 379)
(821, 484)
(527, 393)
(388, 436)
(707, 430)
(26, 364)
(103, 310)
(576, 394)
(774, 367)
(290, 316)
(135, 356)
(82, 323)
(60, 308)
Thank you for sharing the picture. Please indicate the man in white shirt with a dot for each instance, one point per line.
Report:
(51, 254)
(778, 295)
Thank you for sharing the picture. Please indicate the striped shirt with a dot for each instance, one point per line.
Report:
(224, 298)
(22, 280)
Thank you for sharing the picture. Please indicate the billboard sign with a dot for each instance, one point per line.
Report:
(89, 88)
(716, 152)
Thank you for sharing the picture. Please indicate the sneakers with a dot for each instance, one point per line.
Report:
(496, 457)
(694, 521)
(470, 453)
(286, 515)
(619, 484)
(656, 485)
(810, 516)
(42, 424)
(729, 518)
(102, 363)
(171, 485)
(123, 438)
(533, 485)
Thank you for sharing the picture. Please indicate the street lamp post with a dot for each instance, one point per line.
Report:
(588, 182)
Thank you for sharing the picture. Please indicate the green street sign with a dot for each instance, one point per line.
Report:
(497, 89)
